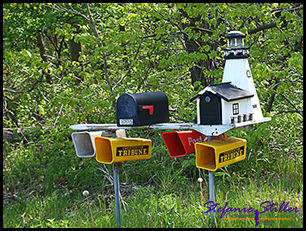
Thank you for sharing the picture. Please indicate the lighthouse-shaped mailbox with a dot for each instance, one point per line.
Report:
(233, 103)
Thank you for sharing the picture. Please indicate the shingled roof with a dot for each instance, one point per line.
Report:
(226, 91)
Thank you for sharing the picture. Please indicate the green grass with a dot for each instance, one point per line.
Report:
(43, 183)
(150, 207)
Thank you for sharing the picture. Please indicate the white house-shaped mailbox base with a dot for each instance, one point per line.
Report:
(224, 103)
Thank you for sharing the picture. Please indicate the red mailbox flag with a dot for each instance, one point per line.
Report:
(182, 143)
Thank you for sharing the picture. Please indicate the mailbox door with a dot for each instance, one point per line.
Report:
(127, 110)
(210, 109)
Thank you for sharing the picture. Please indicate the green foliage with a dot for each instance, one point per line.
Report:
(144, 48)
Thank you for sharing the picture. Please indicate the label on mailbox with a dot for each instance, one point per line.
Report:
(126, 121)
(231, 154)
(132, 150)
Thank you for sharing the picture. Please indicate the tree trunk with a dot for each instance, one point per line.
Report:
(42, 51)
(193, 45)
(75, 51)
(196, 71)
(272, 96)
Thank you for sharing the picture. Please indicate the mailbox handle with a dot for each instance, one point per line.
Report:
(150, 107)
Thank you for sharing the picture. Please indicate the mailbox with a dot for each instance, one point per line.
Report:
(215, 154)
(182, 143)
(234, 101)
(84, 142)
(112, 150)
(142, 109)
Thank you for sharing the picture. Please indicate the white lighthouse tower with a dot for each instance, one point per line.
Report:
(237, 69)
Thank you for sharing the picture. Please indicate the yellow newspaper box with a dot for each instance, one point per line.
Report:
(215, 154)
(110, 150)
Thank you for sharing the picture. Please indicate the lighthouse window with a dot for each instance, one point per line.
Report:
(248, 73)
(240, 42)
(235, 109)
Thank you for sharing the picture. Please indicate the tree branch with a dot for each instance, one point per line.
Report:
(201, 29)
(92, 21)
(280, 112)
(263, 27)
(11, 116)
(60, 8)
(100, 44)
(170, 33)
(272, 24)
(272, 96)
(286, 38)
(291, 104)
(177, 69)
(77, 12)
(32, 87)
(10, 136)
(128, 69)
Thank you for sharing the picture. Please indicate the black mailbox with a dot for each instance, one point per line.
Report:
(142, 109)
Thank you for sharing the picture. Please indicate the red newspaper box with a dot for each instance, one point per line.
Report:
(182, 143)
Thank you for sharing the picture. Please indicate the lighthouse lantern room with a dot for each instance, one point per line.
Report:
(235, 46)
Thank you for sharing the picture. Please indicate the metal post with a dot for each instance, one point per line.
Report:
(117, 201)
(211, 194)
(211, 189)
(117, 166)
